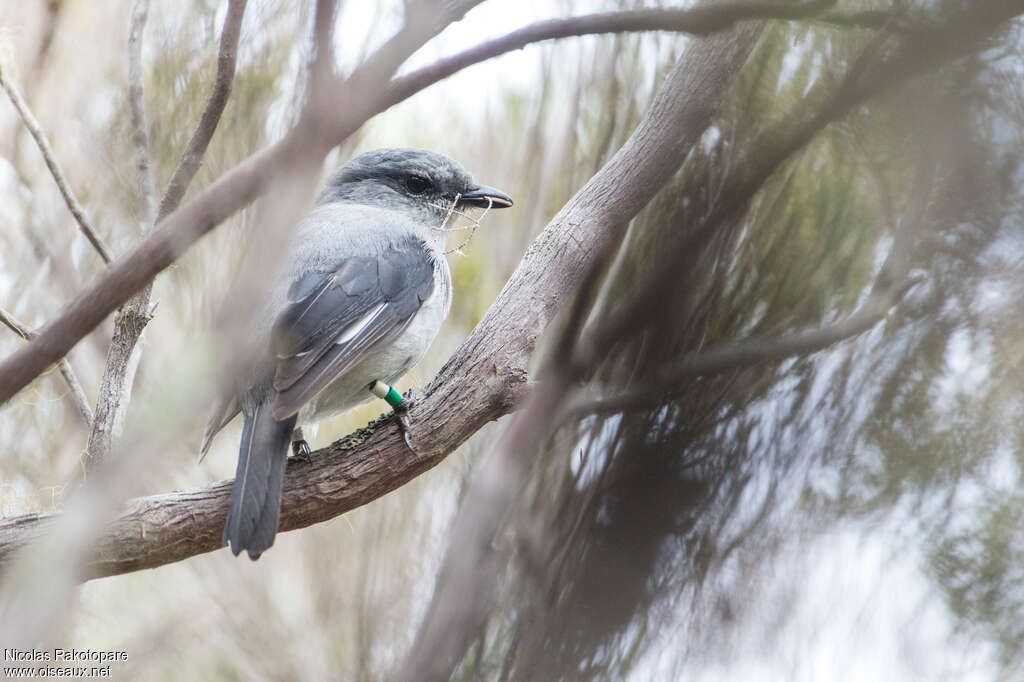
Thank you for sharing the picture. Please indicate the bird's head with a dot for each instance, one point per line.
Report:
(414, 181)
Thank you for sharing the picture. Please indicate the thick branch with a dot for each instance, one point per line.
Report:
(81, 217)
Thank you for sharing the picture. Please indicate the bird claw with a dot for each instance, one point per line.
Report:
(301, 451)
(401, 412)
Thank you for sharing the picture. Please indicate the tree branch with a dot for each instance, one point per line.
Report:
(227, 58)
(77, 393)
(138, 116)
(124, 353)
(321, 69)
(700, 21)
(671, 381)
(81, 217)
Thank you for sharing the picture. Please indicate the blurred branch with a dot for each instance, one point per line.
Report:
(137, 113)
(865, 19)
(77, 393)
(888, 290)
(37, 68)
(701, 21)
(193, 156)
(124, 353)
(81, 217)
(322, 67)
(671, 381)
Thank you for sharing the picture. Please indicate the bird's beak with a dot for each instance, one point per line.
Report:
(483, 196)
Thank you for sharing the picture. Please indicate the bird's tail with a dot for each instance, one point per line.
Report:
(256, 493)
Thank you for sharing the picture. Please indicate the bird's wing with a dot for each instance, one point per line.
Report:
(334, 317)
(224, 410)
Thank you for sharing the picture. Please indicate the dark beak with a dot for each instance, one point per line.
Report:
(483, 196)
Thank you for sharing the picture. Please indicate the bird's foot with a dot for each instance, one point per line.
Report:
(301, 451)
(400, 405)
(401, 412)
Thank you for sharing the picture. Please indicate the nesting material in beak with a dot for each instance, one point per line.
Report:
(479, 197)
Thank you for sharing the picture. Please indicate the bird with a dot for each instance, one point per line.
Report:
(363, 291)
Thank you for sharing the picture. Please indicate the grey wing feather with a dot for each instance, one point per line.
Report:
(333, 319)
(225, 409)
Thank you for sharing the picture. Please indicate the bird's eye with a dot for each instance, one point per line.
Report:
(417, 184)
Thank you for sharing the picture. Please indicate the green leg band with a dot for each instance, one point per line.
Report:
(388, 393)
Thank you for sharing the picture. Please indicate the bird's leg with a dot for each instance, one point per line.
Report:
(300, 448)
(399, 406)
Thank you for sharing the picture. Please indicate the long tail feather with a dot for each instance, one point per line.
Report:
(256, 494)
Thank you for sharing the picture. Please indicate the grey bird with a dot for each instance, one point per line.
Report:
(363, 292)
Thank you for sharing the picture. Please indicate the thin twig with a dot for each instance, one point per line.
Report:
(77, 394)
(77, 210)
(865, 19)
(14, 325)
(227, 58)
(672, 380)
(137, 114)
